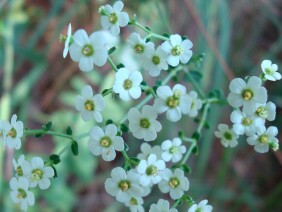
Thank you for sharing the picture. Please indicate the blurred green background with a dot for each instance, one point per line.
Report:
(40, 86)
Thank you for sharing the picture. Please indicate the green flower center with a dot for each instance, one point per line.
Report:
(19, 171)
(263, 139)
(173, 182)
(156, 60)
(12, 133)
(247, 94)
(268, 71)
(127, 84)
(21, 194)
(133, 201)
(199, 210)
(145, 123)
(173, 150)
(124, 185)
(87, 50)
(152, 170)
(172, 101)
(113, 18)
(177, 50)
(89, 105)
(138, 48)
(105, 141)
(262, 112)
(37, 174)
(227, 136)
(247, 121)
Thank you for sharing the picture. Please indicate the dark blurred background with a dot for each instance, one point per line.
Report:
(40, 86)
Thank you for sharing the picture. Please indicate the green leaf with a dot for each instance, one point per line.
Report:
(120, 66)
(144, 83)
(197, 120)
(196, 135)
(175, 79)
(195, 150)
(184, 37)
(166, 35)
(124, 128)
(47, 126)
(134, 161)
(55, 159)
(109, 121)
(148, 28)
(55, 172)
(105, 92)
(74, 148)
(69, 131)
(38, 135)
(180, 134)
(111, 50)
(206, 125)
(185, 168)
(147, 40)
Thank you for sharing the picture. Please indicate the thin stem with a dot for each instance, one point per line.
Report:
(53, 133)
(177, 203)
(65, 149)
(126, 157)
(112, 64)
(195, 84)
(188, 153)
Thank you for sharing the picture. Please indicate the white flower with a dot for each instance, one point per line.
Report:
(161, 206)
(150, 170)
(18, 166)
(123, 185)
(140, 46)
(135, 204)
(244, 123)
(174, 183)
(174, 101)
(127, 84)
(146, 150)
(262, 139)
(105, 143)
(90, 106)
(156, 61)
(4, 128)
(196, 104)
(37, 173)
(173, 150)
(20, 193)
(178, 50)
(114, 18)
(67, 42)
(14, 132)
(266, 111)
(144, 125)
(227, 136)
(202, 206)
(87, 51)
(270, 70)
(247, 94)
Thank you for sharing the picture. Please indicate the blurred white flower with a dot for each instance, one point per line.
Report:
(135, 204)
(202, 206)
(227, 136)
(18, 166)
(105, 143)
(178, 50)
(196, 104)
(67, 42)
(90, 106)
(266, 111)
(146, 150)
(140, 47)
(14, 132)
(114, 18)
(173, 150)
(161, 206)
(270, 70)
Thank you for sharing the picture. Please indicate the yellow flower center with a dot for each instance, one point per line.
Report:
(145, 123)
(89, 105)
(21, 194)
(263, 139)
(177, 50)
(247, 121)
(127, 84)
(173, 149)
(87, 50)
(19, 171)
(247, 94)
(105, 142)
(113, 18)
(12, 133)
(152, 170)
(262, 112)
(156, 60)
(173, 182)
(133, 201)
(37, 174)
(124, 185)
(172, 101)
(138, 48)
(227, 136)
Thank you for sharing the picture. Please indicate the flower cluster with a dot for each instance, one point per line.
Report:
(249, 98)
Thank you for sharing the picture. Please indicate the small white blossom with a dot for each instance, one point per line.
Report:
(127, 84)
(135, 204)
(156, 61)
(244, 123)
(174, 183)
(174, 102)
(87, 51)
(37, 173)
(18, 166)
(227, 136)
(67, 42)
(270, 70)
(178, 50)
(4, 128)
(90, 106)
(196, 104)
(150, 170)
(14, 132)
(202, 206)
(123, 185)
(173, 150)
(262, 139)
(20, 193)
(248, 94)
(266, 111)
(114, 18)
(161, 206)
(105, 143)
(146, 150)
(144, 125)
(140, 47)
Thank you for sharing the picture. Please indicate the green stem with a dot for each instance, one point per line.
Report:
(177, 203)
(53, 133)
(150, 33)
(188, 153)
(126, 157)
(112, 64)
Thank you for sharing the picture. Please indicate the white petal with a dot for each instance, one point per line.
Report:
(85, 64)
(44, 183)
